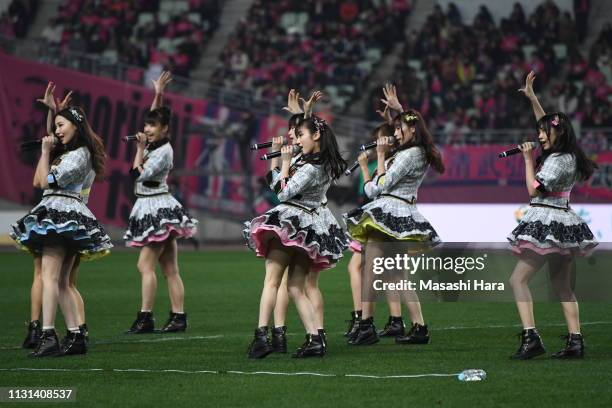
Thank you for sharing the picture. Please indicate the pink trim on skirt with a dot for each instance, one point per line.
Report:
(184, 232)
(519, 247)
(355, 246)
(261, 235)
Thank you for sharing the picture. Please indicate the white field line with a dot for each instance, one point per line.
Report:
(233, 372)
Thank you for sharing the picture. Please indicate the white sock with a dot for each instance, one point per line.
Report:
(145, 311)
(48, 327)
(529, 328)
(74, 330)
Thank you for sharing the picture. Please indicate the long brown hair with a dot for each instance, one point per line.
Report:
(422, 138)
(329, 157)
(566, 142)
(85, 136)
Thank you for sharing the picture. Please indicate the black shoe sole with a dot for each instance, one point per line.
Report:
(52, 354)
(308, 354)
(412, 341)
(368, 342)
(568, 357)
(140, 332)
(260, 354)
(60, 354)
(162, 331)
(381, 334)
(320, 355)
(528, 356)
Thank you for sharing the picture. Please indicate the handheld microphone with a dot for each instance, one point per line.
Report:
(258, 146)
(351, 169)
(372, 145)
(264, 145)
(509, 152)
(129, 138)
(34, 144)
(296, 150)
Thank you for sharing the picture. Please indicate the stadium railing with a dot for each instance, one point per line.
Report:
(350, 127)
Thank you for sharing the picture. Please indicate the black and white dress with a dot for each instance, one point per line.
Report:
(302, 219)
(393, 212)
(156, 215)
(549, 225)
(62, 218)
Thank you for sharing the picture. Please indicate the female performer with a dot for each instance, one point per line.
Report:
(300, 233)
(157, 218)
(395, 324)
(393, 216)
(61, 227)
(550, 231)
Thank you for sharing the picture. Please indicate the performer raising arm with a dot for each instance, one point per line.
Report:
(299, 233)
(550, 231)
(157, 218)
(61, 227)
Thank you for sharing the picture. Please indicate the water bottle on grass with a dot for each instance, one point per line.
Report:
(472, 375)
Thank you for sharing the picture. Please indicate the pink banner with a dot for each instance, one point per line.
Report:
(474, 174)
(116, 109)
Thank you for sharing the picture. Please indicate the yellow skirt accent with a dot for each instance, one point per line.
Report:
(92, 256)
(360, 232)
(84, 256)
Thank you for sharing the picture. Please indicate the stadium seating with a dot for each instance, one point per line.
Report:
(465, 76)
(140, 33)
(16, 16)
(331, 45)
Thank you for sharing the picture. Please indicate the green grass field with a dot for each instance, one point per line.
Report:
(222, 297)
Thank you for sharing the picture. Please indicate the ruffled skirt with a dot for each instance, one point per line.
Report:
(317, 233)
(391, 217)
(157, 218)
(546, 230)
(63, 221)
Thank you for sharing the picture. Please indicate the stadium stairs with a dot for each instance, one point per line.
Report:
(600, 15)
(384, 71)
(231, 13)
(47, 9)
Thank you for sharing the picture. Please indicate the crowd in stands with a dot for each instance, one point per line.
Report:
(461, 75)
(323, 44)
(146, 33)
(17, 18)
(466, 76)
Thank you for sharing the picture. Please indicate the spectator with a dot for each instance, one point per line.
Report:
(469, 74)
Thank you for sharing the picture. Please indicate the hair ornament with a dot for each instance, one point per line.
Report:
(319, 123)
(77, 116)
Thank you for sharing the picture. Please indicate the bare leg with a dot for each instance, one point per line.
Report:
(168, 261)
(523, 272)
(147, 260)
(282, 302)
(76, 295)
(414, 307)
(36, 290)
(66, 300)
(560, 275)
(372, 249)
(298, 270)
(395, 306)
(316, 298)
(52, 260)
(354, 270)
(277, 259)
